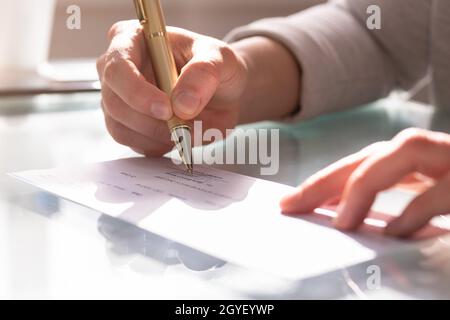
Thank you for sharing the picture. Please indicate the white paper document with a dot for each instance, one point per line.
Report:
(232, 217)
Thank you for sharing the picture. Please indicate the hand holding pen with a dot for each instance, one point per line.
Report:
(210, 85)
(219, 84)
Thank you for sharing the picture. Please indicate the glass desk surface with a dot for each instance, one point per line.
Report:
(52, 248)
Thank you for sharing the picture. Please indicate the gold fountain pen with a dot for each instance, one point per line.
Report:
(151, 16)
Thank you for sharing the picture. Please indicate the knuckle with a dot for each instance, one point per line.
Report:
(380, 145)
(99, 64)
(110, 108)
(358, 180)
(410, 134)
(110, 105)
(136, 96)
(112, 66)
(113, 30)
(110, 70)
(115, 130)
(116, 28)
(374, 147)
(412, 138)
(104, 105)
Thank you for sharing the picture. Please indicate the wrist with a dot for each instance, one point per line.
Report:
(273, 80)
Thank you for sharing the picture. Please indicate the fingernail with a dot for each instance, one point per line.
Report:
(186, 102)
(160, 111)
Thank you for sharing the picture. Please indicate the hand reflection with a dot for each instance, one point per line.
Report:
(126, 240)
(436, 255)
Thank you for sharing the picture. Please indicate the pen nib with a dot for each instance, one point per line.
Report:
(182, 139)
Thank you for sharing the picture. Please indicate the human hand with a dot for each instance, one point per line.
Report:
(212, 79)
(357, 179)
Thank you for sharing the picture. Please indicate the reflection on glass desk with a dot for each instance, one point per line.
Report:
(57, 76)
(52, 248)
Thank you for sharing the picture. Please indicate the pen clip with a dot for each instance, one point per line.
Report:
(140, 10)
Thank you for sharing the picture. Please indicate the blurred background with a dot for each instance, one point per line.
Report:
(209, 17)
(46, 52)
(42, 35)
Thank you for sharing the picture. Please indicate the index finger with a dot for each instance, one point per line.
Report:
(326, 184)
(421, 152)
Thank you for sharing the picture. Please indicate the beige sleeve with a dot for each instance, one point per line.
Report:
(344, 64)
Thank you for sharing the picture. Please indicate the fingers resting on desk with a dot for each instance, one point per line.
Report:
(357, 179)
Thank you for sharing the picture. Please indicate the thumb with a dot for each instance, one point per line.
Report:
(197, 84)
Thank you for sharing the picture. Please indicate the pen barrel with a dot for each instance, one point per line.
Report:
(163, 62)
(164, 69)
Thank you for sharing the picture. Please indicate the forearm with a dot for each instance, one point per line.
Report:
(343, 63)
(273, 85)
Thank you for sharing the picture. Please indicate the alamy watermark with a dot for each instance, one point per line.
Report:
(249, 146)
(373, 281)
(73, 21)
(373, 22)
